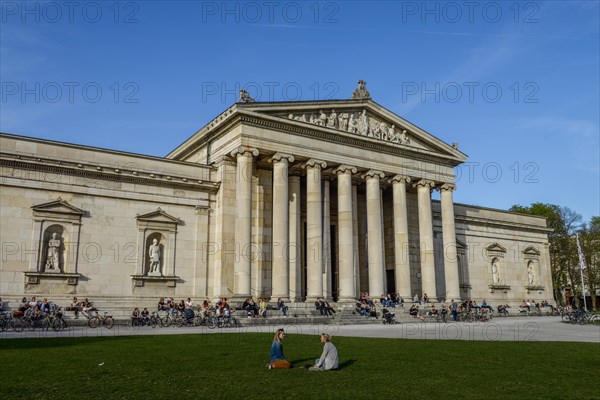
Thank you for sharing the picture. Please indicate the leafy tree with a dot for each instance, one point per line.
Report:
(563, 249)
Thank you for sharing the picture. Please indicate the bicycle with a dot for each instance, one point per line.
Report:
(205, 319)
(55, 321)
(96, 321)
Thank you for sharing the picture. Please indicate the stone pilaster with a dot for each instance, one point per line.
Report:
(449, 236)
(346, 238)
(374, 232)
(243, 221)
(280, 249)
(314, 229)
(426, 238)
(402, 259)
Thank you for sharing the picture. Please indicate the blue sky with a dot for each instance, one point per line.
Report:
(516, 84)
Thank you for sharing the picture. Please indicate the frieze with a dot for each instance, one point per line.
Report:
(356, 122)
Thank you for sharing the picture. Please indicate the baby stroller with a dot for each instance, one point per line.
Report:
(188, 316)
(388, 317)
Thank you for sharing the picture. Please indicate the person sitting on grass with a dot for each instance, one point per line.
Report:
(277, 358)
(329, 359)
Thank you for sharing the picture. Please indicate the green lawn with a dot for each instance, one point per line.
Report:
(232, 366)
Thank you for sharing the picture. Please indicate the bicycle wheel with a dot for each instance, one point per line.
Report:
(153, 323)
(166, 321)
(566, 317)
(109, 322)
(28, 323)
(94, 322)
(18, 325)
(210, 323)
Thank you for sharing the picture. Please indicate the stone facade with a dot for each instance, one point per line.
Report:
(294, 199)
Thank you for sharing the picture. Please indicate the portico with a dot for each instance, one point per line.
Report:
(322, 158)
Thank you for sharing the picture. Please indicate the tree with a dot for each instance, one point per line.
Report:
(563, 249)
(589, 238)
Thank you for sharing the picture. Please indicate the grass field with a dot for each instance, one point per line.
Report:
(233, 366)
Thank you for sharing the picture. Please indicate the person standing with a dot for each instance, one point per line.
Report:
(277, 358)
(454, 309)
(329, 358)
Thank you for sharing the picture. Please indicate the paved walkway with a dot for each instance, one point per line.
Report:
(499, 329)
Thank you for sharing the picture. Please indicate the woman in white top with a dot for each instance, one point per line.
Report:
(329, 358)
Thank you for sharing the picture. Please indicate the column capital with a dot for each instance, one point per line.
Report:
(344, 168)
(399, 178)
(373, 173)
(312, 163)
(279, 157)
(446, 187)
(245, 151)
(424, 183)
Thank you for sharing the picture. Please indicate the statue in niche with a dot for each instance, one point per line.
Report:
(332, 120)
(363, 124)
(495, 272)
(321, 120)
(154, 253)
(352, 124)
(53, 258)
(530, 274)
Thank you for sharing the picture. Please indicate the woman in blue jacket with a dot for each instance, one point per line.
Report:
(277, 358)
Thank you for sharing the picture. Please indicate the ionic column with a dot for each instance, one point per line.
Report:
(449, 235)
(426, 238)
(356, 256)
(295, 286)
(314, 229)
(401, 256)
(375, 234)
(346, 232)
(280, 248)
(327, 283)
(243, 221)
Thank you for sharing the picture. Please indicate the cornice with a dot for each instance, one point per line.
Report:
(96, 172)
(324, 134)
(494, 222)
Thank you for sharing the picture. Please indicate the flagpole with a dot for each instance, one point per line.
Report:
(581, 268)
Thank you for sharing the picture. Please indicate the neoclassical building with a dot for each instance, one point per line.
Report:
(296, 200)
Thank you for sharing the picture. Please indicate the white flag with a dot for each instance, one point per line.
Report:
(580, 253)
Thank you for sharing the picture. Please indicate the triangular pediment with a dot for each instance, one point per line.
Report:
(158, 216)
(531, 251)
(496, 247)
(58, 206)
(357, 119)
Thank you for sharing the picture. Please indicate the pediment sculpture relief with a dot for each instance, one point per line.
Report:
(355, 122)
